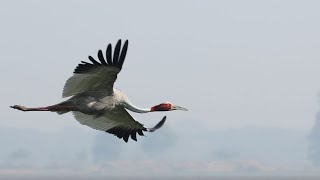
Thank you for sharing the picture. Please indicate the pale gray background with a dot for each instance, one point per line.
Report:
(248, 71)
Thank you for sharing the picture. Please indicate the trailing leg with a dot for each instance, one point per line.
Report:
(55, 108)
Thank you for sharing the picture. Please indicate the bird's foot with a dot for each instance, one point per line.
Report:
(18, 107)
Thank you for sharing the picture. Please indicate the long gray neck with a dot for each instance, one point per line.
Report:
(128, 105)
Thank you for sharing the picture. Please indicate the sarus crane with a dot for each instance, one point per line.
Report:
(96, 103)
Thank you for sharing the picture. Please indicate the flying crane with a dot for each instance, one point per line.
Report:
(94, 101)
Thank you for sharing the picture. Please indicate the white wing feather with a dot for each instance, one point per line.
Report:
(97, 76)
(118, 122)
(99, 80)
(116, 117)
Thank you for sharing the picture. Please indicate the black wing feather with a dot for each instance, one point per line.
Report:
(123, 132)
(101, 58)
(134, 136)
(116, 53)
(123, 54)
(126, 137)
(83, 68)
(117, 61)
(93, 61)
(109, 54)
(140, 133)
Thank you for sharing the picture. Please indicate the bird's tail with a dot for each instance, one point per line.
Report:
(62, 112)
(157, 126)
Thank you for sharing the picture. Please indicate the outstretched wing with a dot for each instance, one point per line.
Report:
(118, 122)
(97, 76)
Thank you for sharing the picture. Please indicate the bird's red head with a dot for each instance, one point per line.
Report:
(162, 107)
(167, 107)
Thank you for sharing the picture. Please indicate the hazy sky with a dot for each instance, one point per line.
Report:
(233, 64)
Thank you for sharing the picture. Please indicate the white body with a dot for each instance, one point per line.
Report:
(93, 103)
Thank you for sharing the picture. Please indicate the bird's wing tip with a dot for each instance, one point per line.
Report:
(159, 125)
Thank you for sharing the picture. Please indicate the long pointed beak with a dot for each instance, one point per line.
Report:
(174, 107)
